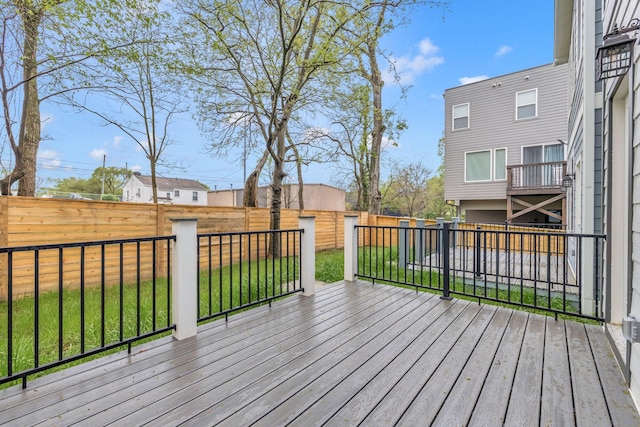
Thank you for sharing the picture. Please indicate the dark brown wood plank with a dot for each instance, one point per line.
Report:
(590, 406)
(621, 407)
(351, 374)
(461, 400)
(441, 382)
(557, 399)
(524, 402)
(491, 406)
(196, 359)
(391, 408)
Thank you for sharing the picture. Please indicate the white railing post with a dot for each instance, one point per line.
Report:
(350, 248)
(308, 254)
(184, 282)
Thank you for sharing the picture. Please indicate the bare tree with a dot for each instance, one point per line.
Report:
(138, 80)
(405, 191)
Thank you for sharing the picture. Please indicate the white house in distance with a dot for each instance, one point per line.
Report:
(170, 190)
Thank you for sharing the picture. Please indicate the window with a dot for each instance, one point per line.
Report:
(195, 196)
(460, 116)
(546, 165)
(526, 104)
(176, 193)
(168, 195)
(486, 165)
(477, 166)
(138, 193)
(500, 164)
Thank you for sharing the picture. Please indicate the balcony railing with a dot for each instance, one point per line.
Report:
(525, 268)
(536, 176)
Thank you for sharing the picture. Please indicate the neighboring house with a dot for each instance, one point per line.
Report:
(316, 197)
(505, 147)
(170, 190)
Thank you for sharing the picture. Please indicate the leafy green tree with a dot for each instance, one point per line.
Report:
(114, 178)
(41, 41)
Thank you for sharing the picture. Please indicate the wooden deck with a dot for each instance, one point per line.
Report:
(353, 354)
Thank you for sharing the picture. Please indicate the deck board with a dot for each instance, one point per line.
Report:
(354, 354)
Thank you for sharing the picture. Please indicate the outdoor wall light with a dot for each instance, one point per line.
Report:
(567, 180)
(616, 53)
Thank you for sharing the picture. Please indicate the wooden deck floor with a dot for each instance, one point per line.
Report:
(353, 354)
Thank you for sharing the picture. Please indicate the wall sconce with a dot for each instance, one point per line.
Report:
(567, 180)
(616, 53)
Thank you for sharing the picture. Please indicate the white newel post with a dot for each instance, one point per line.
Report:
(184, 283)
(308, 254)
(350, 248)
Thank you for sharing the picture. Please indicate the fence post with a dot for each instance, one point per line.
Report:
(308, 255)
(184, 281)
(403, 243)
(350, 248)
(445, 262)
(421, 244)
(455, 222)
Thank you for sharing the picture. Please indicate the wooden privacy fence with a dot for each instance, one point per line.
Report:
(26, 221)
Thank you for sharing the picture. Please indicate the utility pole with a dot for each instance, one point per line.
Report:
(104, 161)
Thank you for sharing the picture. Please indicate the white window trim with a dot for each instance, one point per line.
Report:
(490, 166)
(544, 144)
(536, 104)
(453, 117)
(493, 158)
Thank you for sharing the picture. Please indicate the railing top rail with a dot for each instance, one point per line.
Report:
(524, 165)
(244, 233)
(84, 244)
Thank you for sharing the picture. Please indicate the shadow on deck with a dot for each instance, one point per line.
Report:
(354, 353)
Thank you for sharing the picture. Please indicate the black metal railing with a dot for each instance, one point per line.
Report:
(515, 226)
(551, 271)
(243, 269)
(60, 303)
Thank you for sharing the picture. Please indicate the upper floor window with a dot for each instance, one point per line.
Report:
(527, 104)
(168, 195)
(461, 116)
(138, 193)
(487, 165)
(176, 193)
(195, 196)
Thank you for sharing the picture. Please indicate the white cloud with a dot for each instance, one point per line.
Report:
(97, 153)
(436, 96)
(503, 50)
(467, 80)
(117, 140)
(410, 66)
(136, 168)
(49, 159)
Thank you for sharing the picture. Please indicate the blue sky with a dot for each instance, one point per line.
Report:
(436, 51)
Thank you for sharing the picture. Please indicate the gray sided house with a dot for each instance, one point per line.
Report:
(170, 190)
(505, 142)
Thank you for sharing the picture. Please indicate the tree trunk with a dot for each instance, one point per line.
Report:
(29, 137)
(377, 133)
(250, 196)
(276, 190)
(154, 182)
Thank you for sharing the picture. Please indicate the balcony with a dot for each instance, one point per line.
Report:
(353, 352)
(537, 187)
(536, 178)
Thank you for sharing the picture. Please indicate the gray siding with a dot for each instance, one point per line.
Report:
(492, 124)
